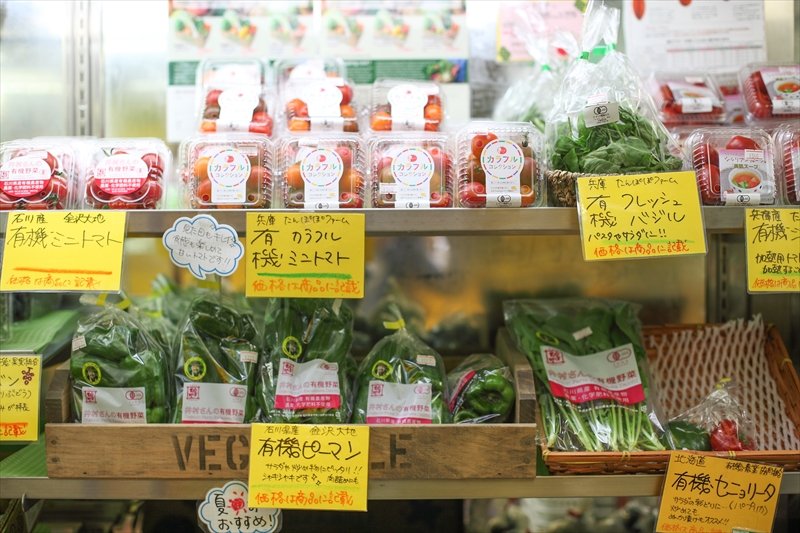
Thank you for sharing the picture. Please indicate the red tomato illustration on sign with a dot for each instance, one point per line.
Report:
(237, 504)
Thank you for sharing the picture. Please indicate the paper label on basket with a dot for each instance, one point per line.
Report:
(229, 171)
(311, 385)
(745, 178)
(600, 113)
(120, 174)
(236, 108)
(114, 405)
(502, 162)
(692, 98)
(412, 170)
(212, 403)
(608, 375)
(783, 87)
(24, 176)
(408, 107)
(399, 403)
(321, 170)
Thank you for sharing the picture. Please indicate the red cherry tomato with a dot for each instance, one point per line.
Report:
(153, 194)
(347, 94)
(705, 154)
(346, 154)
(473, 195)
(212, 98)
(153, 161)
(350, 200)
(708, 179)
(480, 141)
(739, 142)
(441, 200)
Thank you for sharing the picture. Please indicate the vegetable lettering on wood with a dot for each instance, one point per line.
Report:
(206, 452)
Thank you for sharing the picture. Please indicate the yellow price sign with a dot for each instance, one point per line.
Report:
(305, 255)
(707, 494)
(772, 236)
(63, 251)
(20, 384)
(647, 215)
(302, 466)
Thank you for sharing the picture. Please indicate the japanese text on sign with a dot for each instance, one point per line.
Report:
(648, 215)
(706, 494)
(773, 249)
(63, 251)
(225, 510)
(305, 255)
(309, 466)
(203, 246)
(20, 383)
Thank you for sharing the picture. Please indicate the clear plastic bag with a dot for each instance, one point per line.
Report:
(787, 161)
(481, 390)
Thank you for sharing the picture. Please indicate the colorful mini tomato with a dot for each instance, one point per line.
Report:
(37, 174)
(771, 92)
(687, 98)
(405, 105)
(321, 103)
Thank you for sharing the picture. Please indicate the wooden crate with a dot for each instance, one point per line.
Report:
(199, 451)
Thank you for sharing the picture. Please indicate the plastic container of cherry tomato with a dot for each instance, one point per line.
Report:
(787, 161)
(235, 96)
(771, 92)
(734, 166)
(323, 171)
(299, 68)
(125, 174)
(227, 171)
(497, 165)
(728, 83)
(406, 105)
(319, 105)
(37, 174)
(687, 98)
(410, 170)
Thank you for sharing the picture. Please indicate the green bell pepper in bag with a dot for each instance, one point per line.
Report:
(481, 390)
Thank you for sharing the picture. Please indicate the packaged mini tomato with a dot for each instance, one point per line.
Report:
(227, 170)
(323, 171)
(235, 95)
(498, 165)
(125, 174)
(734, 166)
(687, 98)
(411, 170)
(37, 174)
(771, 92)
(728, 83)
(787, 160)
(406, 105)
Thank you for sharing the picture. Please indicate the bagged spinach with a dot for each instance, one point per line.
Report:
(215, 362)
(305, 375)
(481, 390)
(590, 372)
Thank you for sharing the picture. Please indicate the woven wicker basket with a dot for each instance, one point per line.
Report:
(686, 362)
(561, 187)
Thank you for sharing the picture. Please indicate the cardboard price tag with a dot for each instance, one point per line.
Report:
(706, 494)
(646, 215)
(299, 466)
(20, 385)
(55, 251)
(772, 237)
(305, 255)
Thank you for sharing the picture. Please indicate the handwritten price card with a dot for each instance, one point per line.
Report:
(773, 249)
(305, 255)
(63, 251)
(705, 494)
(20, 383)
(303, 466)
(647, 215)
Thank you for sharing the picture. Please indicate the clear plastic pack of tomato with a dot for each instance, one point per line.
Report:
(410, 170)
(37, 174)
(227, 171)
(728, 83)
(734, 166)
(125, 174)
(687, 98)
(235, 96)
(787, 160)
(771, 92)
(323, 171)
(406, 105)
(497, 165)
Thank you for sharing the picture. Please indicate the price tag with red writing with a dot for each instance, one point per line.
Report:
(20, 384)
(772, 236)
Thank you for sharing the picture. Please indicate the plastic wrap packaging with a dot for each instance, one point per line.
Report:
(411, 170)
(38, 174)
(787, 161)
(215, 363)
(481, 390)
(734, 166)
(687, 98)
(406, 105)
(306, 374)
(771, 93)
(323, 171)
(498, 165)
(227, 170)
(119, 372)
(603, 121)
(591, 374)
(401, 381)
(728, 83)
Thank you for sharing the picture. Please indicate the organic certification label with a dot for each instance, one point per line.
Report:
(299, 466)
(706, 494)
(772, 238)
(20, 384)
(305, 255)
(59, 251)
(645, 215)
